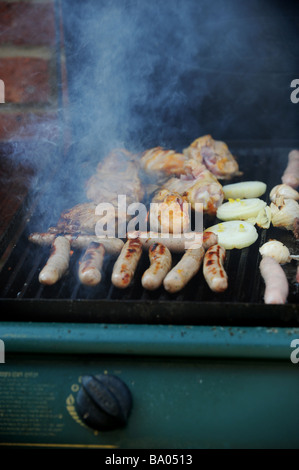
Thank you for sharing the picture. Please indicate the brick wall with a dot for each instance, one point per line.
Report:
(28, 69)
(30, 117)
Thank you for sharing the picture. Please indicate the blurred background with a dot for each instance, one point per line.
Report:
(165, 72)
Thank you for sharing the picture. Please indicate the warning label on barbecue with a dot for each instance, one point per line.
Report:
(26, 406)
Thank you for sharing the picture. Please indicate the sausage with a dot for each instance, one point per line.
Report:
(160, 260)
(291, 173)
(208, 239)
(176, 243)
(276, 283)
(42, 239)
(186, 268)
(126, 264)
(57, 263)
(91, 264)
(213, 269)
(111, 245)
(296, 228)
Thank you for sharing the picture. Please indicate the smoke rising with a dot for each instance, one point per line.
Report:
(165, 72)
(143, 73)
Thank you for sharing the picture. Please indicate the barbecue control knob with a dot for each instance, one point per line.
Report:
(103, 402)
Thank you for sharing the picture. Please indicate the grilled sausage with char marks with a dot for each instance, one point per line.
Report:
(126, 264)
(175, 243)
(185, 270)
(57, 263)
(213, 269)
(91, 264)
(160, 259)
(111, 245)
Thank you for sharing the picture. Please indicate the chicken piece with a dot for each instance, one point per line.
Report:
(200, 186)
(158, 160)
(116, 175)
(215, 155)
(81, 218)
(161, 164)
(170, 212)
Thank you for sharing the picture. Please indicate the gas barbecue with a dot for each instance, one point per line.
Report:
(194, 369)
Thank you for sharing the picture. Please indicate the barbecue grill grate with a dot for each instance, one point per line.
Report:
(24, 298)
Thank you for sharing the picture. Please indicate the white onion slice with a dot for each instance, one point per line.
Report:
(244, 190)
(240, 209)
(234, 234)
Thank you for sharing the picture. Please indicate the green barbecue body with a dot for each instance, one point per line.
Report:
(193, 387)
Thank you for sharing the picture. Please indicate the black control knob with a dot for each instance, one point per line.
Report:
(103, 402)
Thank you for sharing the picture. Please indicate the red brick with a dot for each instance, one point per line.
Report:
(23, 23)
(27, 80)
(29, 125)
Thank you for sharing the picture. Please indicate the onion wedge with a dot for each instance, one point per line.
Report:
(240, 209)
(244, 190)
(235, 234)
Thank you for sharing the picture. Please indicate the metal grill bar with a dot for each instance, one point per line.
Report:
(242, 303)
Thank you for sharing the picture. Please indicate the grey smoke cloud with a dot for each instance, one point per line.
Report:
(164, 72)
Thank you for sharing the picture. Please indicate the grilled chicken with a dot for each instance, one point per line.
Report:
(170, 212)
(116, 175)
(157, 161)
(199, 186)
(79, 219)
(215, 155)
